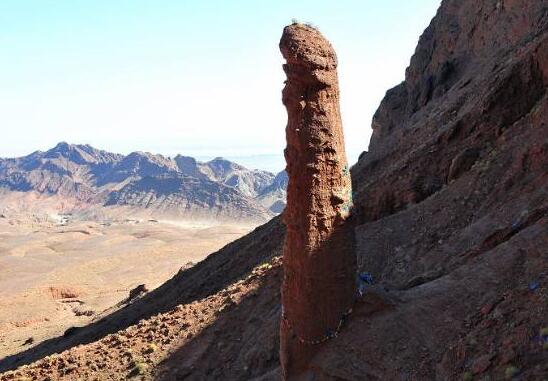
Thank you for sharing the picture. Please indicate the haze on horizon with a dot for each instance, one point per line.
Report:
(198, 78)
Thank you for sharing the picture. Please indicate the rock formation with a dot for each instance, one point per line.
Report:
(319, 263)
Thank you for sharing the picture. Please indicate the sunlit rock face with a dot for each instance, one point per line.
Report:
(319, 261)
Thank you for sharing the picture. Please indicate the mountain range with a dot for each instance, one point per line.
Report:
(179, 186)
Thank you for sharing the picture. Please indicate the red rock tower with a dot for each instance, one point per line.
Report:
(318, 289)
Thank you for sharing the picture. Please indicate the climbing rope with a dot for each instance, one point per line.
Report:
(328, 335)
(363, 280)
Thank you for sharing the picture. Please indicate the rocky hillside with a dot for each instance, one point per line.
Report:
(451, 220)
(275, 194)
(181, 186)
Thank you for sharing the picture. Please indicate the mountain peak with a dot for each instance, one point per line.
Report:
(62, 146)
(81, 154)
(221, 166)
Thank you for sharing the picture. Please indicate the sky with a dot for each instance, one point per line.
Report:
(199, 78)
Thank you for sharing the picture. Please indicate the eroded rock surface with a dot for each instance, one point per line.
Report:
(479, 70)
(319, 262)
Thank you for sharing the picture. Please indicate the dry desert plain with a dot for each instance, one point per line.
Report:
(59, 271)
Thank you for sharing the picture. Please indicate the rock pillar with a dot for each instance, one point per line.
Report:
(319, 261)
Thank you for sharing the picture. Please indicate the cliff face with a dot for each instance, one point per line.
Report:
(319, 261)
(464, 37)
(478, 69)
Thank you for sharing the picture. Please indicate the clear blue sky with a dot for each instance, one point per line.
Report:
(201, 78)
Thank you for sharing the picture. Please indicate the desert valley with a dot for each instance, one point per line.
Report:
(59, 275)
(76, 247)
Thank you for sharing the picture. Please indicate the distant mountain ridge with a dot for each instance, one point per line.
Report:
(181, 185)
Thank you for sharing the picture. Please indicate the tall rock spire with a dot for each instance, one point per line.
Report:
(319, 261)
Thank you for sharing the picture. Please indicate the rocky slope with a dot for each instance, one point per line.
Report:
(180, 187)
(186, 196)
(275, 194)
(450, 219)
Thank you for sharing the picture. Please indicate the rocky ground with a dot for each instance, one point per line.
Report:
(150, 350)
(57, 273)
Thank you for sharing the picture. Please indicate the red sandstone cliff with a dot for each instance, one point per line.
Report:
(319, 261)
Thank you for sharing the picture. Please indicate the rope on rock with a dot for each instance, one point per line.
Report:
(328, 334)
(363, 280)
